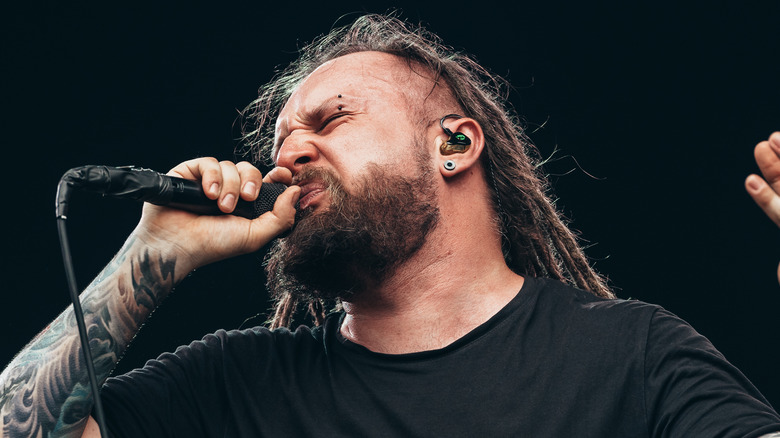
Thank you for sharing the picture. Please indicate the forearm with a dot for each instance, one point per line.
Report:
(45, 389)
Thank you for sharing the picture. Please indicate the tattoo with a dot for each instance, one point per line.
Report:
(144, 287)
(45, 390)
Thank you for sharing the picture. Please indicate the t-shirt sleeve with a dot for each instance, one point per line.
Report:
(691, 390)
(230, 383)
(177, 394)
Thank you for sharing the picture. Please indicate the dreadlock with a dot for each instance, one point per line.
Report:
(536, 240)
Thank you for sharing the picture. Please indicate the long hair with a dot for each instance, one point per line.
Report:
(536, 240)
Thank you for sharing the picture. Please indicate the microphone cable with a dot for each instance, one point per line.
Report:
(144, 185)
(63, 196)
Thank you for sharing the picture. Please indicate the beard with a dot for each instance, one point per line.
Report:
(358, 240)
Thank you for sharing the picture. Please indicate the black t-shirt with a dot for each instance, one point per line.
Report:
(554, 362)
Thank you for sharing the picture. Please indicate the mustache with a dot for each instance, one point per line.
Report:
(319, 174)
(347, 246)
(324, 177)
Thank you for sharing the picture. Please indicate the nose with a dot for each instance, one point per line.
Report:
(295, 152)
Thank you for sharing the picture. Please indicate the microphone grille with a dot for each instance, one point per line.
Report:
(267, 197)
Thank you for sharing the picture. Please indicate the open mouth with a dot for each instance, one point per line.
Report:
(312, 193)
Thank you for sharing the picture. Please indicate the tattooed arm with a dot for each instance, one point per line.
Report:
(45, 391)
(46, 387)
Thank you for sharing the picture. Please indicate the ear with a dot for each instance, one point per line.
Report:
(463, 157)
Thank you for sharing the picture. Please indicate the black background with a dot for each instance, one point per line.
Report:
(654, 108)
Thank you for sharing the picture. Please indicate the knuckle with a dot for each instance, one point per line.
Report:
(247, 168)
(205, 162)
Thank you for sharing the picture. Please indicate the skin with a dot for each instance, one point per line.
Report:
(766, 191)
(459, 273)
(458, 279)
(165, 246)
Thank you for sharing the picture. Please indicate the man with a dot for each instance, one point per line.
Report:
(421, 244)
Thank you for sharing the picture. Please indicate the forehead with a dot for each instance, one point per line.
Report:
(361, 77)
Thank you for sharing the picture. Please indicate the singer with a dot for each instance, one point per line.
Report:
(448, 296)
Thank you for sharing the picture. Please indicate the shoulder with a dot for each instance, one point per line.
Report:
(233, 350)
(257, 342)
(688, 386)
(566, 301)
(644, 323)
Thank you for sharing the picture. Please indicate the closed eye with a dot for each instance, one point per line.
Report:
(329, 120)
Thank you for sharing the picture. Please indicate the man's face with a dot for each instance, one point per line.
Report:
(368, 197)
(352, 112)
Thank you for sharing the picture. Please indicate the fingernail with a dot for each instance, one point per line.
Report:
(250, 189)
(214, 189)
(754, 184)
(229, 201)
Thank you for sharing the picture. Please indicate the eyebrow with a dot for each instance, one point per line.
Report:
(310, 117)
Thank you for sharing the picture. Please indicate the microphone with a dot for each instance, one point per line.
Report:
(145, 185)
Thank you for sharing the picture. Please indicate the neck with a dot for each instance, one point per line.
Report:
(434, 298)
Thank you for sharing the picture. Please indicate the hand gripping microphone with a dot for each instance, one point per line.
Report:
(137, 184)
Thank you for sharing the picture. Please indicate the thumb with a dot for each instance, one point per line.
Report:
(275, 222)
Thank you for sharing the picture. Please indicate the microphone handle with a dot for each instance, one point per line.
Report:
(147, 185)
(188, 195)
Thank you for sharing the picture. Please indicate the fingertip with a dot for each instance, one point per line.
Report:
(249, 191)
(279, 175)
(213, 190)
(228, 203)
(288, 201)
(754, 184)
(296, 191)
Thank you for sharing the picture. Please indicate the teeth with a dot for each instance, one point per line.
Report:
(308, 194)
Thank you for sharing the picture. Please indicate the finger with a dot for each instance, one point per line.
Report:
(251, 180)
(272, 223)
(765, 197)
(767, 154)
(206, 169)
(231, 186)
(279, 175)
(774, 138)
